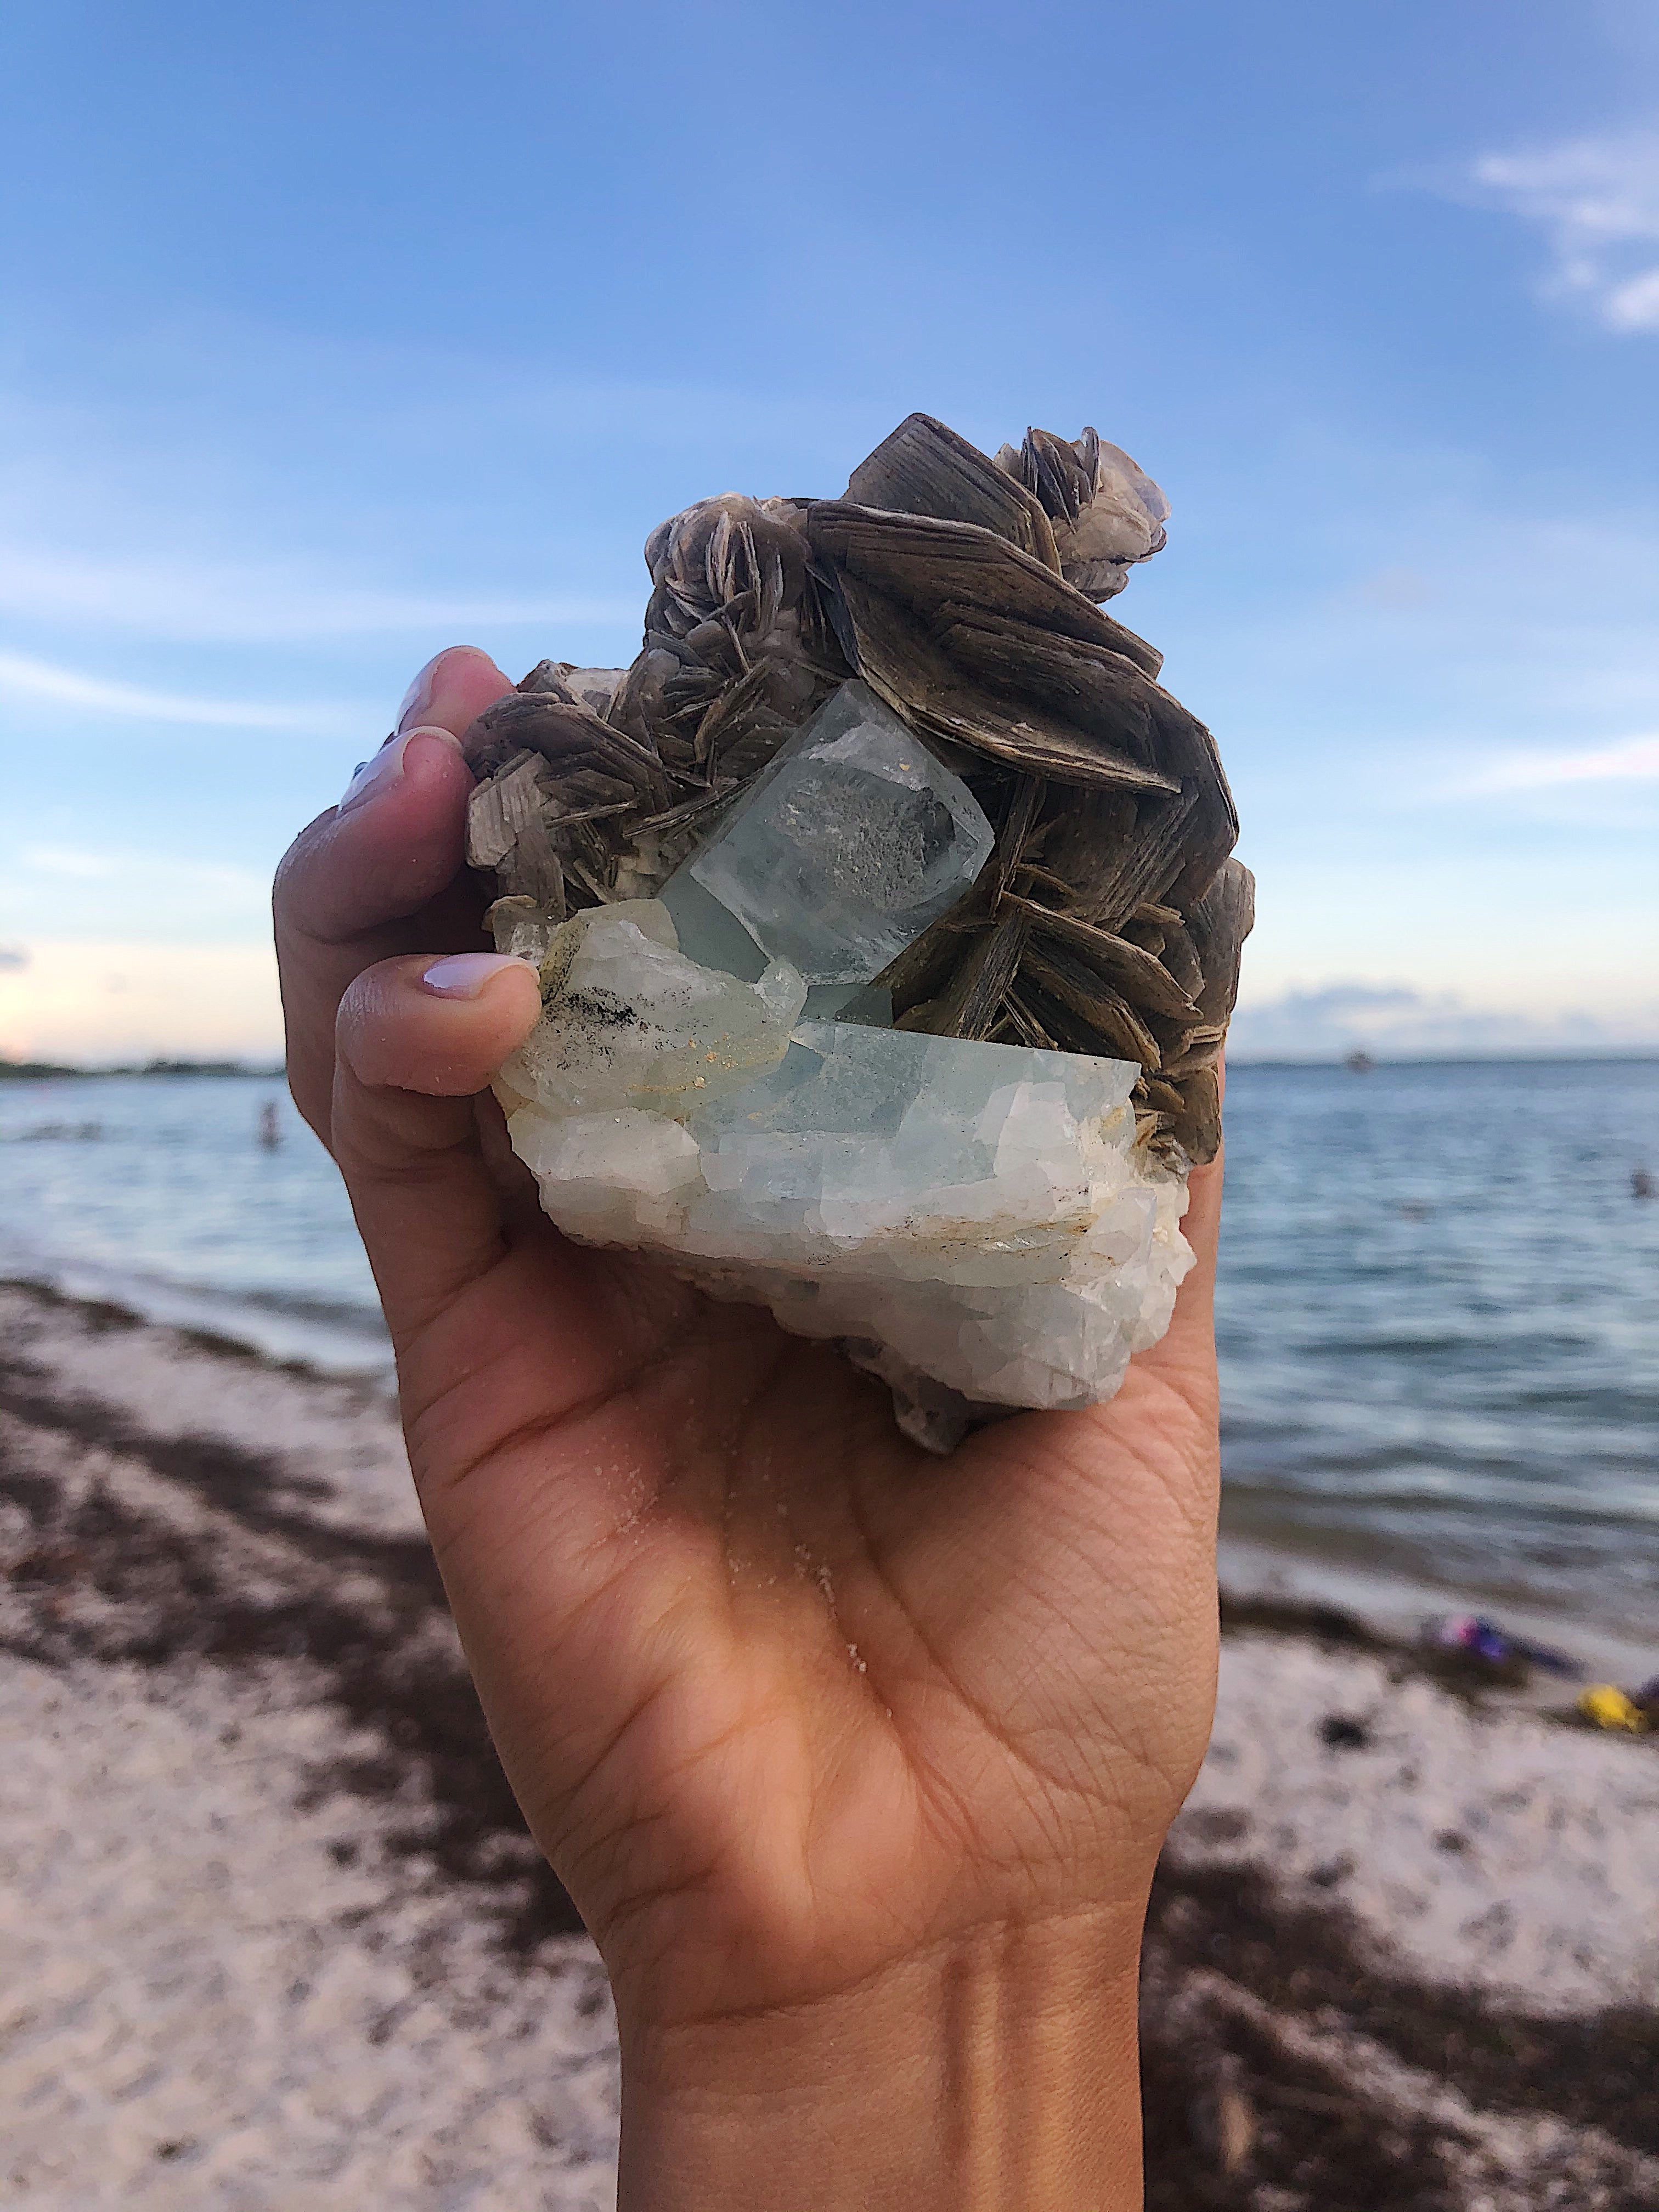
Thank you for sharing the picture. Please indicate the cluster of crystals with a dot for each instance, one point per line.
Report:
(715, 1079)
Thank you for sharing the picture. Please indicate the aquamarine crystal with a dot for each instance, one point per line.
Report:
(840, 855)
(641, 1026)
(976, 1223)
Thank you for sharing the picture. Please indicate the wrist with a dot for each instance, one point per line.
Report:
(1000, 2070)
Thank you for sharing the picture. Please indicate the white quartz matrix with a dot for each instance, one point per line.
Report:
(973, 1222)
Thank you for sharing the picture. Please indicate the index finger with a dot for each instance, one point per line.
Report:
(377, 874)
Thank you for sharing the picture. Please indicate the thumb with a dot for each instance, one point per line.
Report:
(415, 1040)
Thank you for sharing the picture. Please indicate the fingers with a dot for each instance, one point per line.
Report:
(416, 1038)
(350, 885)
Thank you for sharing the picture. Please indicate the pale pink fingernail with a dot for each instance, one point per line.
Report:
(418, 697)
(463, 975)
(388, 766)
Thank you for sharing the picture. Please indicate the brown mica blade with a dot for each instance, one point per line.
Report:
(501, 809)
(1110, 699)
(1143, 980)
(506, 830)
(921, 681)
(1100, 691)
(1185, 749)
(568, 735)
(1052, 976)
(970, 1003)
(923, 970)
(926, 468)
(928, 566)
(1117, 864)
(1024, 804)
(1220, 922)
(1203, 1050)
(1198, 1126)
(1021, 1026)
(1177, 952)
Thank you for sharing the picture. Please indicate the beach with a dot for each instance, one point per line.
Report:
(273, 1934)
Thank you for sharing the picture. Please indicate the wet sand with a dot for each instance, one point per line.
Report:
(271, 1933)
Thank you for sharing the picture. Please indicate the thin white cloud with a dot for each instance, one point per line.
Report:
(23, 677)
(1596, 201)
(231, 603)
(1635, 760)
(1398, 1022)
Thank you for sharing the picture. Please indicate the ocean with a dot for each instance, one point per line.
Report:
(1438, 1305)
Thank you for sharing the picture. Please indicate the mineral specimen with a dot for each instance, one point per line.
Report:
(887, 930)
(841, 853)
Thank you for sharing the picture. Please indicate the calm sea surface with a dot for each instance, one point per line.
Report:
(1439, 1300)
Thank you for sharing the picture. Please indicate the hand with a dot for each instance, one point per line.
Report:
(856, 1762)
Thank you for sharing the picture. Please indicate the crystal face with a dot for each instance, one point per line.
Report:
(973, 1222)
(839, 855)
(640, 1026)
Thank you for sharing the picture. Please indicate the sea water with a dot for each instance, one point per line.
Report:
(1438, 1303)
(158, 1192)
(1439, 1326)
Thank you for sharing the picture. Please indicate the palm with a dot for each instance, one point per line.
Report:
(785, 1699)
(784, 1696)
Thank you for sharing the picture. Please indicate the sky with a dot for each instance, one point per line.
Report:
(331, 335)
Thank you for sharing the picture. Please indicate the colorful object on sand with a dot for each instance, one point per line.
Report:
(1609, 1708)
(1484, 1639)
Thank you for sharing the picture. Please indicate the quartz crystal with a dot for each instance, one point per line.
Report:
(840, 855)
(973, 1222)
(639, 1025)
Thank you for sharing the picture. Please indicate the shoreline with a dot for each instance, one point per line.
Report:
(1403, 1950)
(351, 1345)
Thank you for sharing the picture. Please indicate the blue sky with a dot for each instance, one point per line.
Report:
(336, 334)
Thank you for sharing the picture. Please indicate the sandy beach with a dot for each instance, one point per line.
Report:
(271, 1933)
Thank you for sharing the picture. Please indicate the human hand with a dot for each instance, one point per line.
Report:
(857, 1762)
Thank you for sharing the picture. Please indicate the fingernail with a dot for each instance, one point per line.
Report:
(374, 777)
(418, 697)
(463, 975)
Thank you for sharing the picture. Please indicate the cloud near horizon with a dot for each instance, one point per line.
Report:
(114, 1000)
(1391, 1021)
(1596, 201)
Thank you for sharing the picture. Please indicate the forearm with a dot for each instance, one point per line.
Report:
(1000, 2072)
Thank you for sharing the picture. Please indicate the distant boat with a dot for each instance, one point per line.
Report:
(1359, 1063)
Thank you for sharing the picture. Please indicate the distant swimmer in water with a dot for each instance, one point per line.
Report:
(1641, 1183)
(270, 1133)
